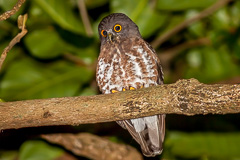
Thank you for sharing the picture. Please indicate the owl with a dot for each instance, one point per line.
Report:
(127, 62)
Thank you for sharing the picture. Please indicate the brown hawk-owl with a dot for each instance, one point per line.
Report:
(127, 62)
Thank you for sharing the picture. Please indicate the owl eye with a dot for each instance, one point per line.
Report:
(104, 33)
(117, 28)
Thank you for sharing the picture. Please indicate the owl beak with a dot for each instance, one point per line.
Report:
(110, 37)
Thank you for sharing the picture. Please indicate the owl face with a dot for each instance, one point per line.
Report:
(117, 27)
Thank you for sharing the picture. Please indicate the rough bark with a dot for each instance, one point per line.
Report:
(11, 12)
(93, 147)
(21, 25)
(187, 97)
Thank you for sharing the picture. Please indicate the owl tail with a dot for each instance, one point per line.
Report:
(149, 132)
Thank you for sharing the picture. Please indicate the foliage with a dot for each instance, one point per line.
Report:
(36, 150)
(57, 58)
(199, 144)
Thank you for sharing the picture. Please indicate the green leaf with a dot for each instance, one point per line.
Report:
(8, 155)
(27, 79)
(39, 150)
(221, 19)
(88, 92)
(149, 21)
(38, 18)
(7, 28)
(48, 44)
(45, 43)
(197, 28)
(176, 5)
(215, 64)
(194, 58)
(62, 13)
(197, 145)
(172, 21)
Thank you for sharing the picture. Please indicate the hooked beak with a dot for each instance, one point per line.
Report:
(110, 37)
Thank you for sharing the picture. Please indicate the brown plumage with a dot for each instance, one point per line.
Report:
(126, 62)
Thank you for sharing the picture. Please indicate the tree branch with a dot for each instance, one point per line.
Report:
(8, 14)
(93, 147)
(85, 18)
(169, 54)
(161, 39)
(187, 97)
(21, 25)
(174, 50)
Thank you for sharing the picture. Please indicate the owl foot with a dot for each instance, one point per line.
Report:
(142, 86)
(123, 89)
(132, 88)
(114, 91)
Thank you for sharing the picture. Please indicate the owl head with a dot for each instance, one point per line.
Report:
(117, 26)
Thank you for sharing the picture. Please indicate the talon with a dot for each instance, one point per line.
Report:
(123, 89)
(132, 88)
(114, 91)
(142, 86)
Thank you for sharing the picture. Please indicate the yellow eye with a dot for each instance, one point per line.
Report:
(104, 33)
(117, 28)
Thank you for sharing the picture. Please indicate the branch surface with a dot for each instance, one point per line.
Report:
(21, 25)
(187, 97)
(93, 147)
(11, 12)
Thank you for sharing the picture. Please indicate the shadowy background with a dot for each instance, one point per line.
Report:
(58, 56)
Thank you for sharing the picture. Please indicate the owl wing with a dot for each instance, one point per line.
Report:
(158, 63)
(151, 137)
(149, 132)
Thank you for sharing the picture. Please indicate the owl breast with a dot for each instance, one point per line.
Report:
(129, 64)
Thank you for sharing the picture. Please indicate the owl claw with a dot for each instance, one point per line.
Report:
(114, 91)
(123, 89)
(132, 88)
(142, 86)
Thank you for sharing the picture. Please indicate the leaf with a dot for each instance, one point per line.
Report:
(176, 5)
(194, 58)
(39, 150)
(196, 28)
(221, 19)
(149, 21)
(211, 145)
(8, 155)
(215, 65)
(48, 44)
(62, 13)
(45, 43)
(27, 79)
(88, 92)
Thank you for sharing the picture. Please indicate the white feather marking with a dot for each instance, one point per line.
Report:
(120, 61)
(138, 124)
(109, 73)
(136, 66)
(151, 121)
(152, 124)
(102, 66)
(149, 66)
